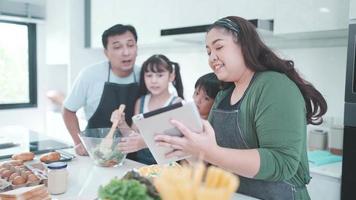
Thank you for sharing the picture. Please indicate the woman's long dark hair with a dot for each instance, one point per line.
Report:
(160, 63)
(258, 57)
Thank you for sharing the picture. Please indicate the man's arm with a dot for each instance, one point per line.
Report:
(71, 121)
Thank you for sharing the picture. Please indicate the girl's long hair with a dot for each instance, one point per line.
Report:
(258, 57)
(160, 63)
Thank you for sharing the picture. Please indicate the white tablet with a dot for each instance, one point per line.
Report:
(158, 121)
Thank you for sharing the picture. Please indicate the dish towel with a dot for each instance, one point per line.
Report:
(322, 157)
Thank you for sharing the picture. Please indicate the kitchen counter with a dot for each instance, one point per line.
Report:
(331, 170)
(326, 181)
(85, 178)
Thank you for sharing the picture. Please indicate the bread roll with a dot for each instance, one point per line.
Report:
(50, 157)
(6, 174)
(12, 176)
(32, 178)
(25, 156)
(18, 180)
(15, 163)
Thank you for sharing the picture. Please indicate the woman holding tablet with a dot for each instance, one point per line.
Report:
(257, 126)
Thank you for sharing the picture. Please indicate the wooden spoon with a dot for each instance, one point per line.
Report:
(108, 140)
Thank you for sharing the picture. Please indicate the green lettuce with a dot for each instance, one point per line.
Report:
(124, 190)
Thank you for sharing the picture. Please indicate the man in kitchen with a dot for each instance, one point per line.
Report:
(102, 87)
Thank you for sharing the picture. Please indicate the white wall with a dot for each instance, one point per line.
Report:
(80, 57)
(64, 69)
(325, 68)
(65, 40)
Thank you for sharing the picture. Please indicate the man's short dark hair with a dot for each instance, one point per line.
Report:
(117, 29)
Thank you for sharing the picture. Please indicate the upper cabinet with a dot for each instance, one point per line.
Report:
(150, 16)
(308, 16)
(353, 9)
(254, 9)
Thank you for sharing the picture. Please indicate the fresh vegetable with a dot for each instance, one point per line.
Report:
(107, 158)
(124, 189)
(151, 190)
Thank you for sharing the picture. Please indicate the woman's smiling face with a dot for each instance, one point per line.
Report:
(225, 55)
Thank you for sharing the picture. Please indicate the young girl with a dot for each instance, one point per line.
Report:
(157, 73)
(206, 89)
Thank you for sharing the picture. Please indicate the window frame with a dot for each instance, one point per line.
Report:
(32, 67)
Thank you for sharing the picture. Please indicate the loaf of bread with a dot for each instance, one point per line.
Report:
(50, 157)
(10, 163)
(25, 156)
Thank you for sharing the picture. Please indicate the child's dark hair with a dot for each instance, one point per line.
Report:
(117, 29)
(160, 63)
(209, 83)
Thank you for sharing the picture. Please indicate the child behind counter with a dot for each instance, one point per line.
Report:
(157, 73)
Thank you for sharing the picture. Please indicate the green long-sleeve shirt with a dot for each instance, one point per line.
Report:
(272, 117)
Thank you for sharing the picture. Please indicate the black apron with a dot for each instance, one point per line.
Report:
(228, 134)
(113, 95)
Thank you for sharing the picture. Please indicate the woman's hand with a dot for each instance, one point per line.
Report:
(192, 143)
(132, 143)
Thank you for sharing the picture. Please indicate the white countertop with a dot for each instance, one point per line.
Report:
(84, 176)
(331, 170)
(85, 179)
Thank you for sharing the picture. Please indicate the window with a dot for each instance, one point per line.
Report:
(18, 85)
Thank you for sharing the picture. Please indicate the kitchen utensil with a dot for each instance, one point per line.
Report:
(8, 145)
(105, 157)
(107, 142)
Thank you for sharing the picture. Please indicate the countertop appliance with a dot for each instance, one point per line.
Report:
(348, 181)
(17, 139)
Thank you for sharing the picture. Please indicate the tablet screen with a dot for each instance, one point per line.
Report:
(158, 122)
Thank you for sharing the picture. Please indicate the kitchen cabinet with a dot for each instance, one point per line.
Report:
(324, 188)
(307, 16)
(57, 32)
(102, 16)
(326, 182)
(255, 9)
(150, 16)
(352, 9)
(147, 17)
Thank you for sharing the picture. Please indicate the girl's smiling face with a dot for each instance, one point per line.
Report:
(158, 82)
